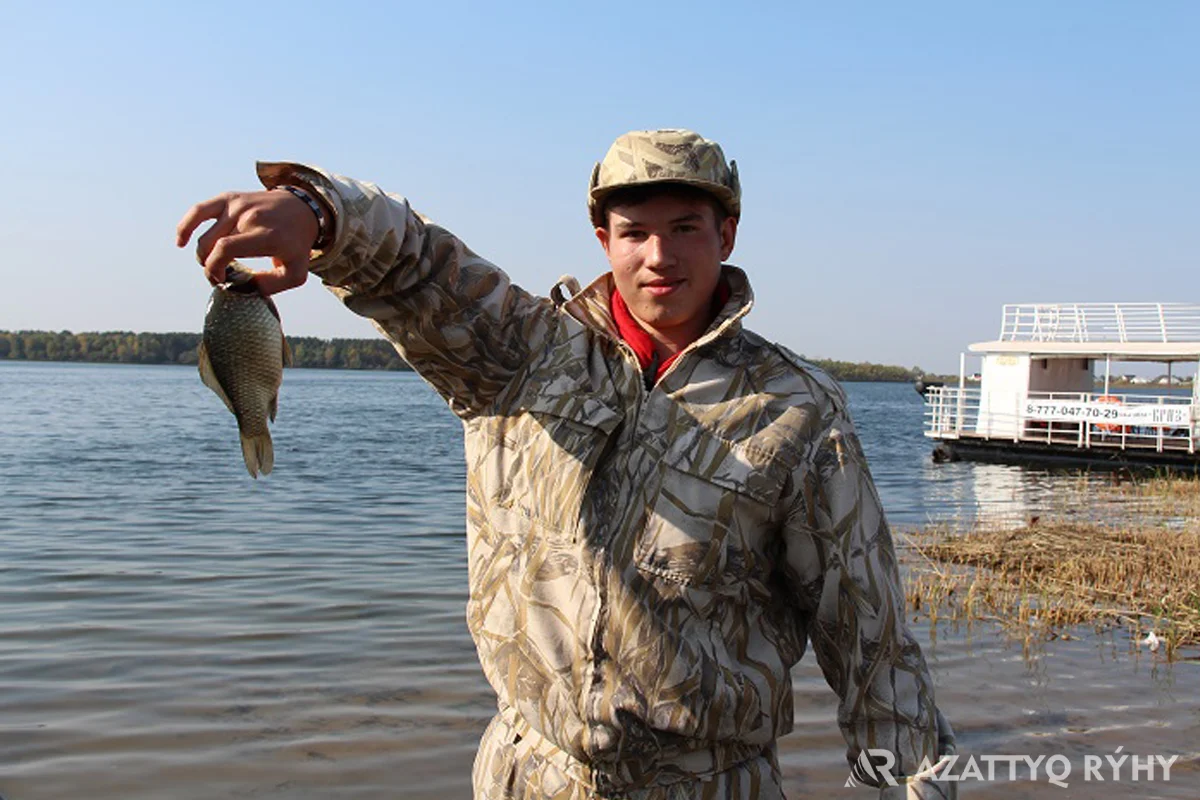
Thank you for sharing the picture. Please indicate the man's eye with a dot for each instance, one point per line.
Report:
(634, 235)
(686, 228)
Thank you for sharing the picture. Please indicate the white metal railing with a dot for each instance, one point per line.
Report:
(951, 413)
(1101, 322)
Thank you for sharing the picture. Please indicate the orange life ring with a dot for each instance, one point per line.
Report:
(1109, 427)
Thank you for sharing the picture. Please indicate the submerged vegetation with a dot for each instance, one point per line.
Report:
(123, 347)
(1139, 571)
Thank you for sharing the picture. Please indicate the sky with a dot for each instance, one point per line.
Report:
(907, 168)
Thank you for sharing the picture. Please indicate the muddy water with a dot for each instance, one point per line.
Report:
(169, 628)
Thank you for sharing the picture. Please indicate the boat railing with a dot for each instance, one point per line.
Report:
(949, 411)
(1100, 322)
(1148, 421)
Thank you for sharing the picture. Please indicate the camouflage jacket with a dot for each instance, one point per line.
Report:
(645, 565)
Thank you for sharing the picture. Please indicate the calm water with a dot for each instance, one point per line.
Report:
(170, 628)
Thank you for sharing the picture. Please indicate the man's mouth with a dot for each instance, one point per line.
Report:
(662, 286)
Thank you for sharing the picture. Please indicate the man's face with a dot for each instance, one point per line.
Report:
(666, 256)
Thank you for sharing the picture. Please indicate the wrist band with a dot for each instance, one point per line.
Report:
(324, 236)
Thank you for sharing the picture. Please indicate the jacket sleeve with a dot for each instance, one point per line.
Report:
(455, 318)
(843, 570)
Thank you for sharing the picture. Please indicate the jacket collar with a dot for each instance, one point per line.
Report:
(592, 306)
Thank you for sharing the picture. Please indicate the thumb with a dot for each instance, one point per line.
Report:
(285, 275)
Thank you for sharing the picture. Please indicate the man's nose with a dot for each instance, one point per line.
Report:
(658, 252)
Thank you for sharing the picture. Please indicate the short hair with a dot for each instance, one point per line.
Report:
(640, 193)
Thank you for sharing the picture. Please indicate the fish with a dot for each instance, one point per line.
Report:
(241, 357)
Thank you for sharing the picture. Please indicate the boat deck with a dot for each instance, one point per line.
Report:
(1110, 424)
(1063, 454)
(1035, 398)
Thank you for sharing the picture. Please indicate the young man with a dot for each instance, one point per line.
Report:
(663, 508)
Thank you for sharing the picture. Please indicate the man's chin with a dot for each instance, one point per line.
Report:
(663, 323)
(658, 315)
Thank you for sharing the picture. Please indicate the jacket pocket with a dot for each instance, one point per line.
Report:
(713, 518)
(545, 455)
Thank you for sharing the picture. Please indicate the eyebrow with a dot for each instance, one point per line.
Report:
(693, 216)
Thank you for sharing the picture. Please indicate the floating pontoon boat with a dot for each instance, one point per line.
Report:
(1038, 398)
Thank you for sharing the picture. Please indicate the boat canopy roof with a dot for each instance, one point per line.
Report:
(1120, 331)
(1129, 351)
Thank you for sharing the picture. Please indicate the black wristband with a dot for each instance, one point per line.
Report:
(324, 234)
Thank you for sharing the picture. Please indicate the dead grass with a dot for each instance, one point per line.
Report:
(1045, 577)
(1163, 495)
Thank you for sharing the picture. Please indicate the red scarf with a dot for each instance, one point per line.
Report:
(640, 342)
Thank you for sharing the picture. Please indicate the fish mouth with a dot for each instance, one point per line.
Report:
(239, 279)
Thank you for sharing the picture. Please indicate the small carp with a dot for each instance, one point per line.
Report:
(242, 356)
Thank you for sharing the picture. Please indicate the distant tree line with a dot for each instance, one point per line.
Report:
(123, 347)
(865, 371)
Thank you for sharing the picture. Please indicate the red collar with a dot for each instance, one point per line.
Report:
(637, 338)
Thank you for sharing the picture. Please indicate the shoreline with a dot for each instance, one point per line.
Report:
(178, 347)
(406, 368)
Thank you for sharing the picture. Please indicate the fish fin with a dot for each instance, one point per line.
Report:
(258, 454)
(210, 378)
(272, 308)
(273, 408)
(287, 353)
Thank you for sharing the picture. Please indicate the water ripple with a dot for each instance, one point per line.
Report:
(172, 628)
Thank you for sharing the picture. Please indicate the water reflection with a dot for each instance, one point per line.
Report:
(916, 491)
(993, 493)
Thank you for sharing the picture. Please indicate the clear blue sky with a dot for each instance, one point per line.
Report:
(907, 167)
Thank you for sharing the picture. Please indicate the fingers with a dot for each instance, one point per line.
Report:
(209, 209)
(251, 225)
(282, 277)
(251, 244)
(224, 225)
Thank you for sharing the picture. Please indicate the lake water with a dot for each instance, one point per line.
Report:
(170, 628)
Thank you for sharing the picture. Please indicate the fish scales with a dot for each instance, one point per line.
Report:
(241, 357)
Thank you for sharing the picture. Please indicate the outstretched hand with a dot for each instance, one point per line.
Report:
(273, 224)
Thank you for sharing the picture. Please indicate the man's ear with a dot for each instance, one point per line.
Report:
(728, 236)
(602, 237)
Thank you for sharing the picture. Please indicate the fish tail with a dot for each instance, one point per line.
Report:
(258, 453)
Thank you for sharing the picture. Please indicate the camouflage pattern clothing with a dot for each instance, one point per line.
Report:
(644, 566)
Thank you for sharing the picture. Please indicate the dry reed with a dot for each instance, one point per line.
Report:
(1047, 576)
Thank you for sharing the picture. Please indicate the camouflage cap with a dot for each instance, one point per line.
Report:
(672, 155)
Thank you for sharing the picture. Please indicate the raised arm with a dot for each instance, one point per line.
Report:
(454, 317)
(842, 566)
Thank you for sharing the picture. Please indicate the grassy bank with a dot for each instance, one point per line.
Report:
(1139, 570)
